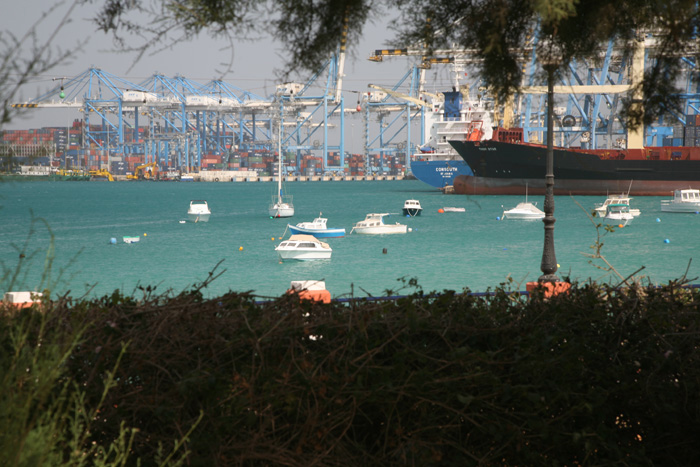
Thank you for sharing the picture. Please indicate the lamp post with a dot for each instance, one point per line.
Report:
(549, 56)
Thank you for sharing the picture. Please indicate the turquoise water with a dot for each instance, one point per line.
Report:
(443, 251)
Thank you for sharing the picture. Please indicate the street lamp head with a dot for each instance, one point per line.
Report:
(549, 52)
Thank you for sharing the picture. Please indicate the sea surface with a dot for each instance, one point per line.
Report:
(473, 249)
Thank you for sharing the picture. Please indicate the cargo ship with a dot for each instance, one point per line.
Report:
(454, 117)
(505, 165)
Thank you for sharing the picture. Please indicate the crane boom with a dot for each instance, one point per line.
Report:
(400, 95)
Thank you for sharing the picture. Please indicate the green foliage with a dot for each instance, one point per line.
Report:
(45, 418)
(596, 376)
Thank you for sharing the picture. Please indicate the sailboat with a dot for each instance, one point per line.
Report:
(281, 205)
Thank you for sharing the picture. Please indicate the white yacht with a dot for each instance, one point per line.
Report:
(523, 210)
(683, 201)
(303, 248)
(412, 208)
(198, 211)
(618, 214)
(374, 224)
(602, 208)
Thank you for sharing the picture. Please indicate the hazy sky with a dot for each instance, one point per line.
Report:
(199, 60)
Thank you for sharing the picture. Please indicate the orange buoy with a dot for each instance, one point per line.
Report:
(441, 210)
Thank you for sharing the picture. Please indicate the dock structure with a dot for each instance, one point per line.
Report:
(236, 176)
(188, 126)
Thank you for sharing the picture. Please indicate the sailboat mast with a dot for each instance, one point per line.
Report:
(279, 156)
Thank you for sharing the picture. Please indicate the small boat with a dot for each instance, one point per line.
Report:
(198, 211)
(412, 208)
(618, 214)
(318, 228)
(187, 178)
(683, 201)
(523, 210)
(282, 205)
(374, 224)
(131, 239)
(303, 248)
(602, 208)
(453, 209)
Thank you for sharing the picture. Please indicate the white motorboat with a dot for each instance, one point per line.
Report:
(198, 211)
(318, 228)
(374, 224)
(303, 248)
(282, 205)
(523, 211)
(131, 239)
(412, 208)
(618, 214)
(683, 201)
(602, 208)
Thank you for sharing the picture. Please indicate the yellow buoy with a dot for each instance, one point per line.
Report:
(145, 234)
(240, 248)
(273, 239)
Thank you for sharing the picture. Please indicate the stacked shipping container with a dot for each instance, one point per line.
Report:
(73, 152)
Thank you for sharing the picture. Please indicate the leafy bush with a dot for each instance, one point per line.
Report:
(596, 376)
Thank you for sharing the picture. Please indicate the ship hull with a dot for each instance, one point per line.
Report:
(507, 168)
(439, 173)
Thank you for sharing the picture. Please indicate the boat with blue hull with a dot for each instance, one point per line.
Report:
(439, 173)
(318, 228)
(452, 116)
